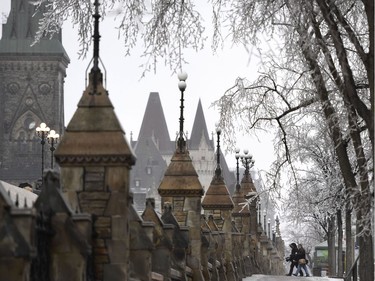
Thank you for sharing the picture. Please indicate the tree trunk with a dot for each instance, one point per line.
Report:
(366, 253)
(331, 241)
(340, 269)
(369, 9)
(346, 70)
(349, 239)
(366, 270)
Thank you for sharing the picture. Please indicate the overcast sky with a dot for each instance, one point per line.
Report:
(209, 76)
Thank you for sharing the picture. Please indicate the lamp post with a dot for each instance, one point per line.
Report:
(42, 132)
(218, 167)
(247, 161)
(238, 169)
(182, 86)
(52, 140)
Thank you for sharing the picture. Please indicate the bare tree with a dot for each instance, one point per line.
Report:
(164, 28)
(324, 59)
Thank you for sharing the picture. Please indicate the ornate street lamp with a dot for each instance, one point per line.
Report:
(182, 86)
(42, 132)
(52, 140)
(238, 169)
(247, 161)
(218, 168)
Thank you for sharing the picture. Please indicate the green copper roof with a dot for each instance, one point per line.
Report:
(19, 31)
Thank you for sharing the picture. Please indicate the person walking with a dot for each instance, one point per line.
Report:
(292, 259)
(301, 259)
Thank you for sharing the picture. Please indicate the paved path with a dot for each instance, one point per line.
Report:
(260, 277)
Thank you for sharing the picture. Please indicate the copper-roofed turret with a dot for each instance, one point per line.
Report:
(21, 28)
(217, 196)
(94, 133)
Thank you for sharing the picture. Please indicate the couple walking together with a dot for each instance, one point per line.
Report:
(298, 259)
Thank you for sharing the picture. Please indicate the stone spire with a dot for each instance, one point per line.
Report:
(199, 130)
(249, 191)
(247, 184)
(154, 125)
(181, 188)
(95, 160)
(241, 208)
(180, 179)
(217, 196)
(94, 134)
(218, 204)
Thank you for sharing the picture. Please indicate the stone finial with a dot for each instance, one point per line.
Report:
(150, 202)
(278, 233)
(167, 207)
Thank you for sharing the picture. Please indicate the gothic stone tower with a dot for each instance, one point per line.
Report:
(31, 92)
(95, 160)
(218, 203)
(182, 190)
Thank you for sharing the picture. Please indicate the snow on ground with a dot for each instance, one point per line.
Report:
(260, 277)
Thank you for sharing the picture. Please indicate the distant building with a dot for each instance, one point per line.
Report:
(154, 149)
(31, 92)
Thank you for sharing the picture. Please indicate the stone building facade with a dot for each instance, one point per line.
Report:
(31, 92)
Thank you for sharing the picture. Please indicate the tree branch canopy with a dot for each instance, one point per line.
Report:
(315, 82)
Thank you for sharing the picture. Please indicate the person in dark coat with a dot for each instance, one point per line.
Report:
(293, 259)
(301, 260)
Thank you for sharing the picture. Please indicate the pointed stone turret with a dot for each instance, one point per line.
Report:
(247, 184)
(95, 161)
(218, 203)
(240, 211)
(32, 92)
(241, 217)
(249, 191)
(183, 190)
(181, 178)
(217, 197)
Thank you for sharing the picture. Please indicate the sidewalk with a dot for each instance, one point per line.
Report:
(260, 277)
